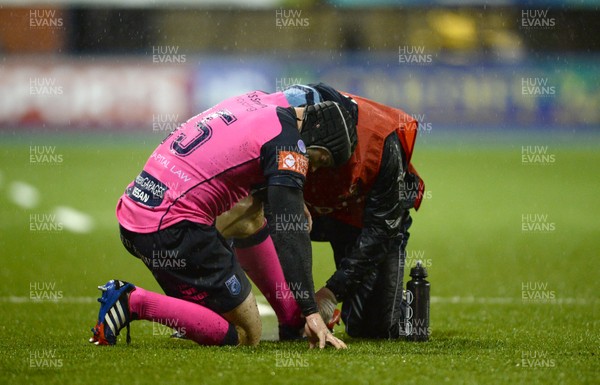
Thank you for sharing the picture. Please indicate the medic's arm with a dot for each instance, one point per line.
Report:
(382, 221)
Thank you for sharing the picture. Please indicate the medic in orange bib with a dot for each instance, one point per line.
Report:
(362, 209)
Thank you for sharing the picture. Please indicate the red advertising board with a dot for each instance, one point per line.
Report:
(102, 93)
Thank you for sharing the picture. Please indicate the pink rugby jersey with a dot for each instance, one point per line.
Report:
(214, 160)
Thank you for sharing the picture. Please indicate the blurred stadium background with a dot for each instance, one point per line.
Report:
(507, 93)
(115, 65)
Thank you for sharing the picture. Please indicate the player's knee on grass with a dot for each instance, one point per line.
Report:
(243, 220)
(247, 321)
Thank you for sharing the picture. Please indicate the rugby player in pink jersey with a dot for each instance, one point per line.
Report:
(167, 216)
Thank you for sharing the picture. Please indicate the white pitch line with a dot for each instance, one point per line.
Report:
(512, 300)
(266, 310)
(15, 299)
(74, 220)
(27, 196)
(23, 194)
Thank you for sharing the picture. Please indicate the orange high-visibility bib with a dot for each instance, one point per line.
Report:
(341, 192)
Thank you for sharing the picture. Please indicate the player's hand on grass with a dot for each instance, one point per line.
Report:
(326, 302)
(318, 333)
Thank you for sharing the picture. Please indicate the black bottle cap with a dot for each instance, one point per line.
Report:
(418, 271)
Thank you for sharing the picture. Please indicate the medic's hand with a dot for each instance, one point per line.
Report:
(326, 302)
(317, 332)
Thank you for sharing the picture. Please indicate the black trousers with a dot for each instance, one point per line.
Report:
(374, 308)
(193, 262)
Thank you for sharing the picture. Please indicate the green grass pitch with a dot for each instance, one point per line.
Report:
(497, 233)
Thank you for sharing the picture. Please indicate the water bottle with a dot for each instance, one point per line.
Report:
(418, 290)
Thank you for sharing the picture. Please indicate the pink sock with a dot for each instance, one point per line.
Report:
(196, 322)
(258, 258)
